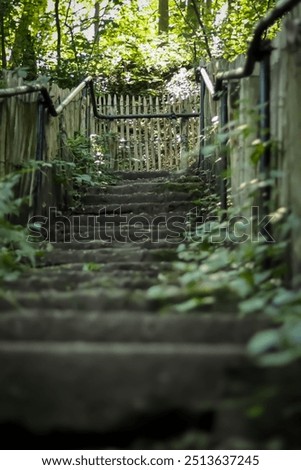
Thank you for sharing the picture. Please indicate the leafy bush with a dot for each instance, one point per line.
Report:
(229, 262)
(15, 250)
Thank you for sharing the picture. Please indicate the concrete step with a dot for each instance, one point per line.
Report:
(136, 208)
(143, 219)
(124, 242)
(69, 280)
(121, 233)
(138, 186)
(123, 326)
(112, 266)
(99, 387)
(131, 254)
(179, 176)
(143, 197)
(134, 175)
(101, 299)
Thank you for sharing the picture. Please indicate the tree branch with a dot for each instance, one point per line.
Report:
(202, 25)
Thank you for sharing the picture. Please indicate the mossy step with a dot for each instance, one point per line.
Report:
(146, 187)
(123, 326)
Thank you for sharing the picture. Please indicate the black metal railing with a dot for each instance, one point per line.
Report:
(258, 47)
(259, 51)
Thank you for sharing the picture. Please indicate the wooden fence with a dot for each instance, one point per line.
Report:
(132, 144)
(19, 140)
(148, 144)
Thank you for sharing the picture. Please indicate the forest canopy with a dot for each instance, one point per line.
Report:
(128, 45)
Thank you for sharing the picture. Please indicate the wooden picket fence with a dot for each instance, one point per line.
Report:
(147, 143)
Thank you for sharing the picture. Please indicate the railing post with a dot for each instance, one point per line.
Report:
(39, 155)
(265, 136)
(202, 124)
(184, 143)
(265, 124)
(224, 156)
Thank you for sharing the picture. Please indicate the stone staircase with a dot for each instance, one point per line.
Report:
(88, 361)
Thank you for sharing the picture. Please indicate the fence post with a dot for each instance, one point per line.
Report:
(224, 159)
(202, 123)
(39, 156)
(184, 144)
(265, 124)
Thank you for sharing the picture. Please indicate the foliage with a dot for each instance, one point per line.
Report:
(235, 30)
(118, 41)
(85, 167)
(234, 260)
(15, 251)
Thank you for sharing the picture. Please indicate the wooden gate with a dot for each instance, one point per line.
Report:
(148, 143)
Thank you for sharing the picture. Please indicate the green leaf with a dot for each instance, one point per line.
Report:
(263, 341)
(278, 359)
(193, 303)
(252, 305)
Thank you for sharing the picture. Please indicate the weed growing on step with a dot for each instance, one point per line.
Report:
(92, 267)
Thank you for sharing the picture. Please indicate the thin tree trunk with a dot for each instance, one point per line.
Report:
(96, 22)
(194, 6)
(2, 32)
(163, 16)
(58, 32)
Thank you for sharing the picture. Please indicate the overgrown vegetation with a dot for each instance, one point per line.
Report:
(15, 251)
(238, 262)
(84, 168)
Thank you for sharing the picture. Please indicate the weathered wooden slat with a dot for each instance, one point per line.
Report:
(146, 136)
(134, 144)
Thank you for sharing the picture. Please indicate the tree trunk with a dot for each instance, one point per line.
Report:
(96, 22)
(163, 16)
(192, 12)
(2, 32)
(59, 35)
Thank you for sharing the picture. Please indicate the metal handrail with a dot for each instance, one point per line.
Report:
(111, 117)
(255, 51)
(25, 89)
(48, 103)
(207, 80)
(55, 111)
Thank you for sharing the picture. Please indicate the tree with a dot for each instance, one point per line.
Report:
(163, 16)
(118, 40)
(3, 8)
